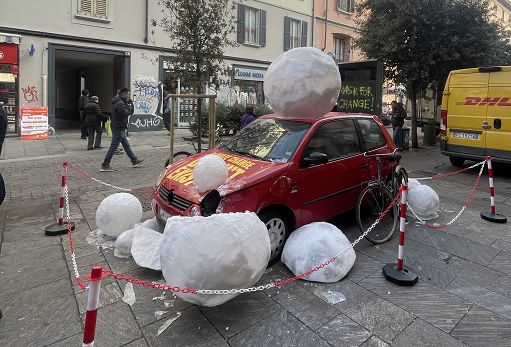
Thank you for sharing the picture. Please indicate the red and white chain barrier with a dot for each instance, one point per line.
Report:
(452, 173)
(467, 202)
(91, 315)
(493, 216)
(402, 225)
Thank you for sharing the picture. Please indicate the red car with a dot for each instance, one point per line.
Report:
(290, 172)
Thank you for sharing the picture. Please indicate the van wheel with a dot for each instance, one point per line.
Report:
(457, 161)
(279, 228)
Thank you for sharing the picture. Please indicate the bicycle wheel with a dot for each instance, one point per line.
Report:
(180, 156)
(400, 175)
(371, 203)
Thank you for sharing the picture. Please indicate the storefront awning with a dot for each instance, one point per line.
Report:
(10, 38)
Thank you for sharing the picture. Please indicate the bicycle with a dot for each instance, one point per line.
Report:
(376, 197)
(185, 154)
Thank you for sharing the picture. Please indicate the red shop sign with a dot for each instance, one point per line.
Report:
(8, 53)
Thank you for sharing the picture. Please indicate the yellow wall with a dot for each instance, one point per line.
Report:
(339, 24)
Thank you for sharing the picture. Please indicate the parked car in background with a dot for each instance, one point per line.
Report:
(290, 172)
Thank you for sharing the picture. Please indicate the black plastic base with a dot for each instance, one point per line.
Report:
(405, 277)
(56, 229)
(495, 218)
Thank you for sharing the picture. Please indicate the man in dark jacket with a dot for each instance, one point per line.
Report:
(398, 116)
(122, 108)
(92, 121)
(84, 100)
(3, 126)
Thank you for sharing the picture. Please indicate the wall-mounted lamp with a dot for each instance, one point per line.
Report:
(32, 50)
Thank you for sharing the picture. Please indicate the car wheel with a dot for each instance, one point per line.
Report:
(278, 230)
(457, 161)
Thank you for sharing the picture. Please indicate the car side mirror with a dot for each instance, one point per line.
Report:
(315, 158)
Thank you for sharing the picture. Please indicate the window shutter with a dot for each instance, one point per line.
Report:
(287, 33)
(304, 34)
(241, 24)
(85, 7)
(101, 9)
(262, 29)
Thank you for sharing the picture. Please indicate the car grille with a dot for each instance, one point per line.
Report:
(173, 199)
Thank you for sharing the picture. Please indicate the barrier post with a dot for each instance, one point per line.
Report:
(398, 273)
(60, 228)
(492, 216)
(91, 315)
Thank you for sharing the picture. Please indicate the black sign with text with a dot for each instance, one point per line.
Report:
(145, 122)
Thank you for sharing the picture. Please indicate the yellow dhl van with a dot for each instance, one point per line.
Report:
(476, 115)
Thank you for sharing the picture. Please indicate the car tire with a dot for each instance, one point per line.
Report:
(457, 161)
(279, 228)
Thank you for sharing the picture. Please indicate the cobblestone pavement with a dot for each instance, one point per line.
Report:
(463, 297)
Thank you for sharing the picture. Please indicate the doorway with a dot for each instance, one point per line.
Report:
(72, 69)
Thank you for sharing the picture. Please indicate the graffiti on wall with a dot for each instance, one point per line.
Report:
(145, 122)
(30, 94)
(147, 91)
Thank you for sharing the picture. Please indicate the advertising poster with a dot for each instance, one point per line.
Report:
(34, 123)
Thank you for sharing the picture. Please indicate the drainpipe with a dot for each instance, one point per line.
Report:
(313, 24)
(146, 38)
(326, 22)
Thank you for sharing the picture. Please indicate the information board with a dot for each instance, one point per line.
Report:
(34, 123)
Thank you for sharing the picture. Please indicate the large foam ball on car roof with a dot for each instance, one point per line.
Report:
(210, 172)
(223, 251)
(314, 244)
(302, 82)
(117, 213)
(424, 201)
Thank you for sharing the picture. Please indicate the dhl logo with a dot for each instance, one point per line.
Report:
(490, 101)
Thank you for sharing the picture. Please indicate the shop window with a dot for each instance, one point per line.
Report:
(341, 49)
(346, 5)
(94, 9)
(295, 33)
(251, 27)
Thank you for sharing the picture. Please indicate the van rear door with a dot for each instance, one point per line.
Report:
(466, 112)
(498, 140)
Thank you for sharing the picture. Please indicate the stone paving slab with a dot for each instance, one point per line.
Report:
(422, 334)
(343, 332)
(483, 328)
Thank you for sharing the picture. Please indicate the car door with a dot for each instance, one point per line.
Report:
(329, 189)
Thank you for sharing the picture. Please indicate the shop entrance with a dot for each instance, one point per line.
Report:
(72, 69)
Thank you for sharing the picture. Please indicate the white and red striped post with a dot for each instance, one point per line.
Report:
(493, 216)
(398, 273)
(60, 228)
(91, 315)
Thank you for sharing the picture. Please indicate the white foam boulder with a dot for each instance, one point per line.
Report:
(424, 201)
(223, 251)
(302, 82)
(210, 172)
(145, 248)
(117, 213)
(123, 244)
(313, 244)
(413, 183)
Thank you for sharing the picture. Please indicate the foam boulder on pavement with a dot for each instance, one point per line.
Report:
(145, 248)
(117, 213)
(223, 251)
(210, 172)
(123, 244)
(312, 245)
(302, 82)
(424, 201)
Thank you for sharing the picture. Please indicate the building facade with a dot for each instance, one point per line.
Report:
(501, 10)
(336, 29)
(48, 54)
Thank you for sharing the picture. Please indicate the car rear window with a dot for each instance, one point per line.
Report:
(371, 134)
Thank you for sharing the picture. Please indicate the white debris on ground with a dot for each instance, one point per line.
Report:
(315, 243)
(123, 244)
(168, 323)
(168, 303)
(424, 201)
(117, 213)
(145, 248)
(98, 238)
(210, 172)
(333, 297)
(129, 294)
(159, 314)
(223, 251)
(311, 75)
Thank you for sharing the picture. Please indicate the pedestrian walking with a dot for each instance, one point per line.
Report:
(122, 108)
(248, 117)
(166, 112)
(398, 116)
(92, 121)
(84, 100)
